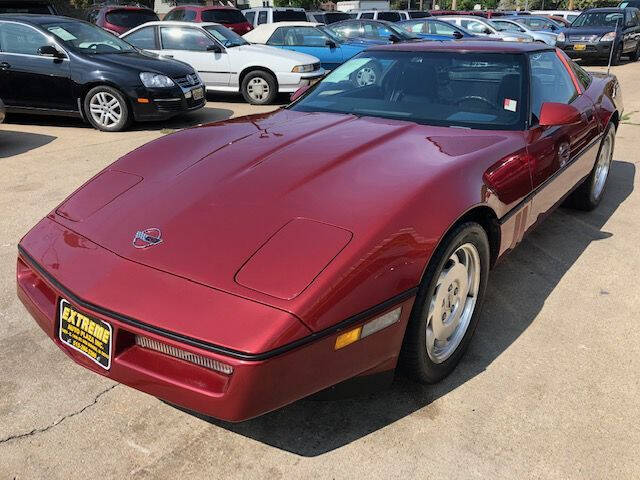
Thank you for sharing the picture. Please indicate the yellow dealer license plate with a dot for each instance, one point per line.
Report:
(579, 46)
(88, 335)
(198, 93)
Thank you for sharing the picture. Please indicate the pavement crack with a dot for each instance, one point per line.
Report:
(37, 431)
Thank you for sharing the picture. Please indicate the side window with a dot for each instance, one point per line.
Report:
(417, 27)
(170, 16)
(277, 38)
(179, 38)
(441, 28)
(189, 15)
(475, 27)
(389, 16)
(250, 16)
(367, 15)
(262, 17)
(21, 39)
(583, 77)
(550, 82)
(145, 38)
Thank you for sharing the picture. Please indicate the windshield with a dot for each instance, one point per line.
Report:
(130, 18)
(331, 34)
(225, 16)
(598, 19)
(87, 38)
(474, 90)
(289, 16)
(225, 36)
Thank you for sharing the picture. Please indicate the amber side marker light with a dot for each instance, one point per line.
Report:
(372, 326)
(143, 100)
(194, 358)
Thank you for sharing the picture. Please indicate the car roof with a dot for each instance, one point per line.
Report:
(35, 18)
(605, 10)
(175, 23)
(465, 47)
(110, 8)
(266, 26)
(203, 7)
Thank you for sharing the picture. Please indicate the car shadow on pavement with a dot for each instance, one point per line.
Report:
(14, 143)
(517, 291)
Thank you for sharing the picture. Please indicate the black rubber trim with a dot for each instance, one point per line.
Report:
(546, 183)
(381, 307)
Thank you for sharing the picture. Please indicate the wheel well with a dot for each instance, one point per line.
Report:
(88, 86)
(488, 220)
(248, 70)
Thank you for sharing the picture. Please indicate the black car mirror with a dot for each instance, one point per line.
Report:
(394, 38)
(330, 43)
(487, 31)
(50, 51)
(214, 48)
(457, 35)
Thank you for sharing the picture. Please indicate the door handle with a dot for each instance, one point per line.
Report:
(167, 56)
(4, 66)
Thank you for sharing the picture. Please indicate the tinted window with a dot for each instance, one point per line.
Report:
(299, 36)
(347, 30)
(175, 14)
(550, 81)
(179, 38)
(189, 15)
(441, 28)
(332, 17)
(130, 18)
(418, 14)
(289, 16)
(539, 24)
(223, 16)
(144, 38)
(21, 39)
(225, 36)
(415, 27)
(86, 38)
(581, 74)
(474, 26)
(597, 19)
(368, 15)
(389, 16)
(376, 31)
(262, 17)
(507, 26)
(482, 90)
(250, 16)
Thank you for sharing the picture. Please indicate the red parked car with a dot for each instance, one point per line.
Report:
(119, 19)
(230, 17)
(236, 267)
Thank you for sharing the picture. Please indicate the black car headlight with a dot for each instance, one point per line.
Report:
(155, 80)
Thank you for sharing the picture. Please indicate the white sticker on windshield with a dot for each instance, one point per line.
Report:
(62, 33)
(510, 105)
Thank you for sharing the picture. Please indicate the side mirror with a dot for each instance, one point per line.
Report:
(553, 113)
(298, 93)
(331, 44)
(394, 38)
(50, 51)
(487, 31)
(214, 48)
(457, 35)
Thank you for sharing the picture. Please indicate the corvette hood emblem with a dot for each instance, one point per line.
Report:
(147, 238)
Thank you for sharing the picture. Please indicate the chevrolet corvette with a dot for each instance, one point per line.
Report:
(236, 267)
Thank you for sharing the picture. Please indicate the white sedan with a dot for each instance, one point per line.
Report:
(225, 61)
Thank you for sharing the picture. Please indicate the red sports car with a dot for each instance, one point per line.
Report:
(236, 267)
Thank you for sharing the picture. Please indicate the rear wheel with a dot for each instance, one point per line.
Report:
(106, 109)
(259, 88)
(588, 195)
(617, 54)
(448, 304)
(635, 55)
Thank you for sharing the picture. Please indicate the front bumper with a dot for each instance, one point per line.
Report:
(290, 82)
(592, 49)
(164, 103)
(259, 383)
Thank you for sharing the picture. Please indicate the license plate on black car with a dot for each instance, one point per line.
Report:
(198, 93)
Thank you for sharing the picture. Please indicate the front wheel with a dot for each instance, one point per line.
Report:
(588, 195)
(617, 54)
(447, 306)
(106, 109)
(259, 88)
(635, 55)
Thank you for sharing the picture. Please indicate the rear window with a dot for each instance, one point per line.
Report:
(289, 16)
(598, 19)
(223, 16)
(332, 17)
(389, 16)
(474, 90)
(130, 18)
(419, 14)
(37, 9)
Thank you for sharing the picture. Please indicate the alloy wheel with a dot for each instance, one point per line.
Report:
(105, 109)
(602, 166)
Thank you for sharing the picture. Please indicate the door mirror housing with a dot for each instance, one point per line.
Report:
(214, 48)
(553, 114)
(298, 93)
(394, 38)
(50, 51)
(330, 43)
(487, 31)
(457, 35)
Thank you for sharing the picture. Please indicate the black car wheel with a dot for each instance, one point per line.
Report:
(259, 88)
(617, 53)
(106, 109)
(447, 306)
(635, 55)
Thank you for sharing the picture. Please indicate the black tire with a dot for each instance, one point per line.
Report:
(587, 197)
(617, 54)
(259, 78)
(414, 358)
(635, 55)
(122, 109)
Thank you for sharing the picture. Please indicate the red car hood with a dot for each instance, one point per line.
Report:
(217, 193)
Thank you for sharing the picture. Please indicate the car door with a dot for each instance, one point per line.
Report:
(630, 30)
(307, 40)
(560, 155)
(29, 79)
(193, 45)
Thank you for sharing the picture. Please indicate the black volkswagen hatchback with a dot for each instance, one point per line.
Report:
(62, 66)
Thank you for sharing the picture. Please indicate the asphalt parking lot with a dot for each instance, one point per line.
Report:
(548, 389)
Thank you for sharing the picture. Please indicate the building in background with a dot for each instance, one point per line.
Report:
(348, 5)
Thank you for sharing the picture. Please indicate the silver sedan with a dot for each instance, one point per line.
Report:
(505, 25)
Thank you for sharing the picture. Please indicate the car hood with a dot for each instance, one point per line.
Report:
(145, 62)
(280, 54)
(585, 31)
(215, 195)
(514, 35)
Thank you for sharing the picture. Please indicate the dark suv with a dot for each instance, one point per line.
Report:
(230, 17)
(599, 30)
(61, 66)
(119, 19)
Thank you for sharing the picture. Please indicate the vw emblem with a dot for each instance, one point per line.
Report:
(147, 238)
